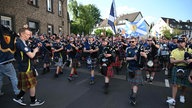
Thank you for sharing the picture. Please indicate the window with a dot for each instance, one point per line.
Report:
(60, 30)
(49, 5)
(34, 26)
(32, 2)
(60, 8)
(50, 29)
(6, 21)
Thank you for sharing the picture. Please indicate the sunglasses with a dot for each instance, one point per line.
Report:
(131, 41)
(149, 40)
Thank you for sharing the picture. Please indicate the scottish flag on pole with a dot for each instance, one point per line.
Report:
(112, 17)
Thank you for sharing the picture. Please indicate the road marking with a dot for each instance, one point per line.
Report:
(170, 106)
(82, 81)
(167, 83)
(166, 72)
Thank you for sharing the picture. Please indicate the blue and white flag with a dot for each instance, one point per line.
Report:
(135, 28)
(112, 17)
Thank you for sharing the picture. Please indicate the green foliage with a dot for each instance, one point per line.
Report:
(176, 32)
(98, 32)
(167, 34)
(107, 32)
(84, 17)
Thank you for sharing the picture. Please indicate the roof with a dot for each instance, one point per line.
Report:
(171, 22)
(130, 17)
(175, 24)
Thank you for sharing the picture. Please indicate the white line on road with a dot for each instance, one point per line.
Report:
(166, 72)
(167, 83)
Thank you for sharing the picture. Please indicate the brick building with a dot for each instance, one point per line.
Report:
(45, 16)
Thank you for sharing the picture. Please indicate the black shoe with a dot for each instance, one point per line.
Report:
(37, 103)
(150, 81)
(70, 78)
(92, 82)
(19, 101)
(61, 72)
(56, 75)
(106, 90)
(147, 80)
(48, 69)
(44, 72)
(132, 100)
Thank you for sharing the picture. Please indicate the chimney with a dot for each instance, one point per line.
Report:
(168, 21)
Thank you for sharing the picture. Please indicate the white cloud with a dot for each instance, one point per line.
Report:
(125, 10)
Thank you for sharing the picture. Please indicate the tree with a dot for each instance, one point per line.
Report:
(176, 32)
(166, 33)
(109, 33)
(84, 17)
(98, 32)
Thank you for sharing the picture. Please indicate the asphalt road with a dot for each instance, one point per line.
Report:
(60, 93)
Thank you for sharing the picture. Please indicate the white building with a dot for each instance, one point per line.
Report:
(162, 24)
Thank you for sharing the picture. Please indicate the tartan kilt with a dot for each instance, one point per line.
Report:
(138, 79)
(93, 64)
(74, 62)
(26, 80)
(178, 81)
(117, 62)
(109, 72)
(155, 68)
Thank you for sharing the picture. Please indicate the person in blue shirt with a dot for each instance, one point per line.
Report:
(135, 74)
(45, 51)
(91, 50)
(26, 75)
(58, 58)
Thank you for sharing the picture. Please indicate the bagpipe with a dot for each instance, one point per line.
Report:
(187, 56)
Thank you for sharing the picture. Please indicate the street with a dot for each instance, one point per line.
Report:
(60, 93)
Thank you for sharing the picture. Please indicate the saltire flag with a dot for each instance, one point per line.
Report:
(112, 16)
(7, 39)
(137, 28)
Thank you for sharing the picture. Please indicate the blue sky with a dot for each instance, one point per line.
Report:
(150, 9)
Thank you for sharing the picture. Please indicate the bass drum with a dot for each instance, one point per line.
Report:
(150, 63)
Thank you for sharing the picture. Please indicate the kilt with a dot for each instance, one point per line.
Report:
(46, 58)
(178, 81)
(155, 68)
(117, 62)
(59, 62)
(137, 80)
(92, 65)
(26, 80)
(74, 62)
(109, 72)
